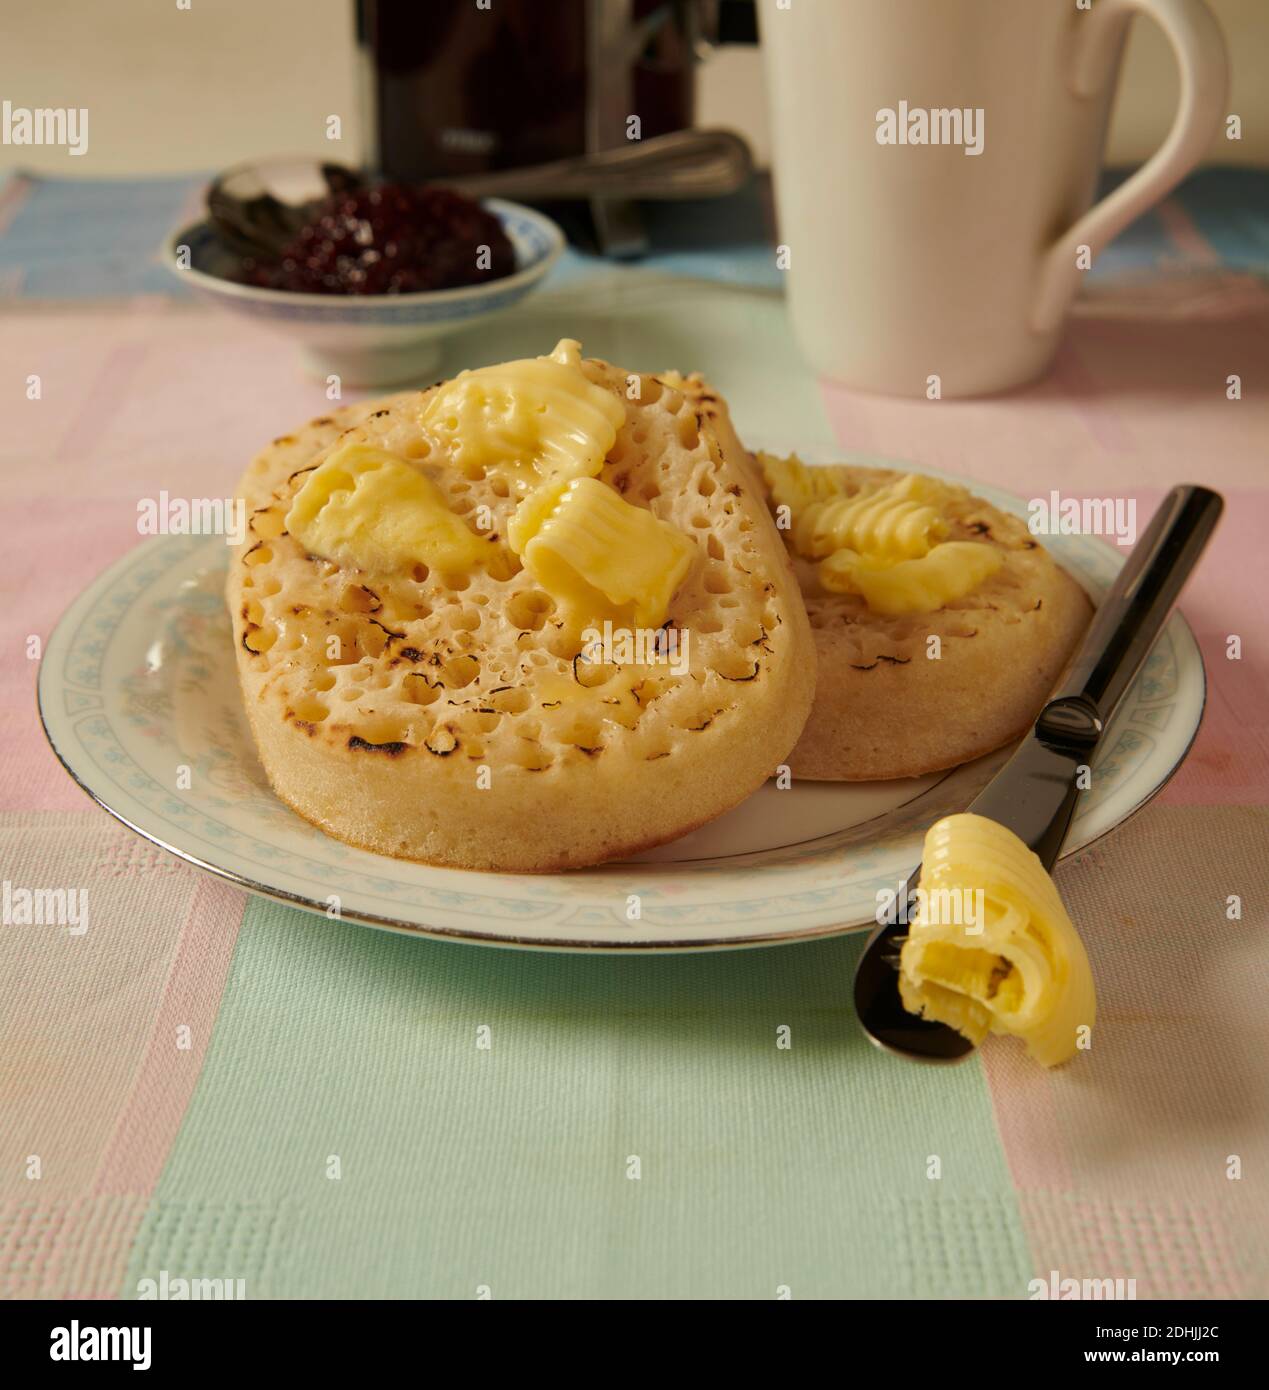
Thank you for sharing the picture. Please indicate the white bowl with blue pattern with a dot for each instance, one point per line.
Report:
(369, 340)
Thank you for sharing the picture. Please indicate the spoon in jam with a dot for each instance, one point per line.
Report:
(1034, 794)
(258, 208)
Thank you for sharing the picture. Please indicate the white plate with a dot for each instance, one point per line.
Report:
(138, 681)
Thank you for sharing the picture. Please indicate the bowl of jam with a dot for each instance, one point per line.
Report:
(374, 278)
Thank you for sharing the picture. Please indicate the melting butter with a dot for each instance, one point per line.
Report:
(948, 572)
(885, 543)
(368, 508)
(598, 555)
(991, 948)
(793, 484)
(532, 420)
(896, 522)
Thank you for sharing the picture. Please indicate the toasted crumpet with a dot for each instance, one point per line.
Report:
(884, 708)
(439, 676)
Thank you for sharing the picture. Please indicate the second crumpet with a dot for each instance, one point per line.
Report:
(941, 624)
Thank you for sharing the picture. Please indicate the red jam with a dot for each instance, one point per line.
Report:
(391, 239)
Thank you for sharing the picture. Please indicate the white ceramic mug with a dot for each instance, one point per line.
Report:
(957, 260)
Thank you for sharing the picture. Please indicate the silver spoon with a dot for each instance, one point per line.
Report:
(683, 164)
(259, 207)
(1034, 794)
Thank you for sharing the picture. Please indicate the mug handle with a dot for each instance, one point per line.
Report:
(1201, 56)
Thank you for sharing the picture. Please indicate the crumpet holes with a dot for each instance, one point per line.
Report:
(349, 651)
(268, 523)
(373, 640)
(310, 709)
(694, 720)
(416, 690)
(383, 730)
(441, 741)
(583, 733)
(502, 563)
(357, 598)
(527, 611)
(514, 701)
(649, 689)
(460, 671)
(465, 620)
(735, 666)
(531, 756)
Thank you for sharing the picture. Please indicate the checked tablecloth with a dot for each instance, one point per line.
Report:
(804, 1169)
